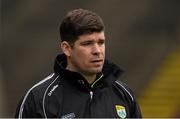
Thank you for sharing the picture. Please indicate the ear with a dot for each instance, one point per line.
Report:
(66, 48)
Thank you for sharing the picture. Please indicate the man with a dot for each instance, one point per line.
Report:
(83, 84)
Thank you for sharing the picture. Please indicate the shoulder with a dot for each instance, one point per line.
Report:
(123, 88)
(35, 94)
(43, 84)
(38, 90)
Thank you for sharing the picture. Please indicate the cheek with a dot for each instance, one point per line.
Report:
(80, 57)
(83, 58)
(83, 53)
(103, 49)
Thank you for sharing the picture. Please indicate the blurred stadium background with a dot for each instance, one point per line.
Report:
(143, 37)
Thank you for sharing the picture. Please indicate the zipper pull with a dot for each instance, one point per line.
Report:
(91, 94)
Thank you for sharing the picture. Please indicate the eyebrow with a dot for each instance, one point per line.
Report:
(93, 40)
(87, 41)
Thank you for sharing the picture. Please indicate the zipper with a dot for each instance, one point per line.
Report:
(92, 86)
(91, 94)
(89, 105)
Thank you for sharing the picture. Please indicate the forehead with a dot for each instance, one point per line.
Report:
(92, 36)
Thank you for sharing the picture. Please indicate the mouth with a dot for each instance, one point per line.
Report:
(97, 61)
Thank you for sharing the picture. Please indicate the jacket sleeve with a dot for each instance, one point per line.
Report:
(136, 112)
(26, 107)
(135, 109)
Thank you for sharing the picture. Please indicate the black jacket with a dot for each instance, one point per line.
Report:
(67, 94)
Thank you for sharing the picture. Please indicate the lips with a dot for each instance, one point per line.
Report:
(97, 61)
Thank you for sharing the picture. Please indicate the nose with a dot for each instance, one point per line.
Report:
(96, 49)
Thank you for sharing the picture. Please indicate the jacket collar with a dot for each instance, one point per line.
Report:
(109, 69)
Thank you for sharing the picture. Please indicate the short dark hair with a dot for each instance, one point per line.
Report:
(78, 22)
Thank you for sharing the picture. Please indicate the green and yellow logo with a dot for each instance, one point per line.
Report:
(121, 111)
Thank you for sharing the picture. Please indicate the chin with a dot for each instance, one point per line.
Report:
(97, 70)
(93, 70)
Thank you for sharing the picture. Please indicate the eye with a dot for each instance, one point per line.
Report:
(101, 42)
(87, 43)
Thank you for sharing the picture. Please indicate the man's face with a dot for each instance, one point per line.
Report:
(88, 53)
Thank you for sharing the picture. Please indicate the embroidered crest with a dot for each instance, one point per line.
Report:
(121, 111)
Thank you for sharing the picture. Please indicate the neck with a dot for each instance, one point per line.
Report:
(89, 77)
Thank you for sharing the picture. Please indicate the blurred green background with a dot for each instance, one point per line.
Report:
(142, 37)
